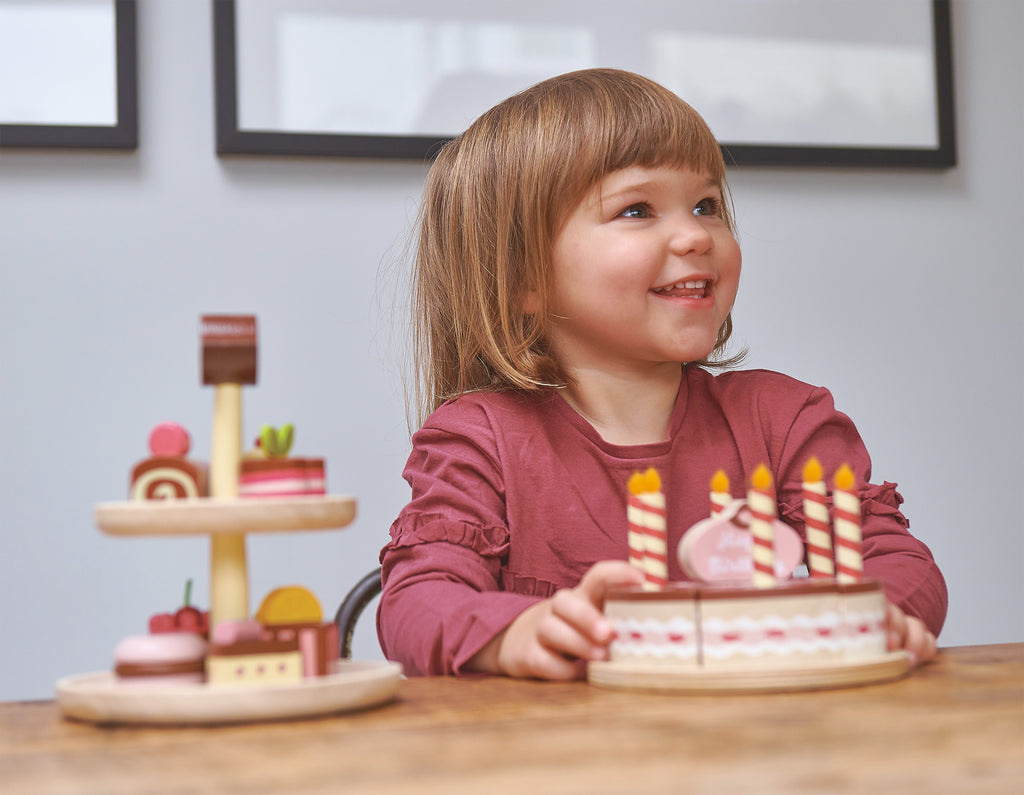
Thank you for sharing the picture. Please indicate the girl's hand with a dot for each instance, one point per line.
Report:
(907, 632)
(554, 639)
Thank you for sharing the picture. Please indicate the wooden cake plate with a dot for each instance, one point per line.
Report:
(660, 678)
(100, 698)
(211, 516)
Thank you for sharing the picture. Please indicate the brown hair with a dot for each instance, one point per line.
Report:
(495, 200)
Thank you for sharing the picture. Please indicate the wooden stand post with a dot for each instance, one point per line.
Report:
(228, 363)
(229, 579)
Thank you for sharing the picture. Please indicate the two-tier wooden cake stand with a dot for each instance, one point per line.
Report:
(228, 363)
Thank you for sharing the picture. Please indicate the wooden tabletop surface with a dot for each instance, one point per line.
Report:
(956, 725)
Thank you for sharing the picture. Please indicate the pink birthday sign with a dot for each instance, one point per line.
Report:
(718, 550)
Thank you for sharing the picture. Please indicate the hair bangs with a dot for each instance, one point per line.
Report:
(675, 137)
(611, 120)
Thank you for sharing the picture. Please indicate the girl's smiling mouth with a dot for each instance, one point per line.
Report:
(689, 288)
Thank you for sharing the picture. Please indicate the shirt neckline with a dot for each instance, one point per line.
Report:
(633, 451)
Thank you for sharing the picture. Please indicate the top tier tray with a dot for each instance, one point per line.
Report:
(211, 515)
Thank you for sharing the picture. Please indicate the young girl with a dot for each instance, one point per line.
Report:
(575, 273)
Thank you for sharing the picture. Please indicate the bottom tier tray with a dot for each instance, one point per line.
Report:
(639, 676)
(100, 698)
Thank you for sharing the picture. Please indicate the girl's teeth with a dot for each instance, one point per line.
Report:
(691, 285)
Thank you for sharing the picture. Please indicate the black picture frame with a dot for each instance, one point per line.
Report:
(231, 140)
(124, 134)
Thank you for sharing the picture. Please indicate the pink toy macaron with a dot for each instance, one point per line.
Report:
(169, 439)
(167, 658)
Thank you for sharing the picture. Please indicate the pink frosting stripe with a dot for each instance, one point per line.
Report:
(797, 633)
(773, 634)
(284, 473)
(307, 645)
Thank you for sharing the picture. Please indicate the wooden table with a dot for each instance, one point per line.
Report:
(957, 725)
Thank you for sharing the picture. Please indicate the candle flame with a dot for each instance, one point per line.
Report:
(812, 470)
(762, 478)
(644, 482)
(720, 482)
(844, 478)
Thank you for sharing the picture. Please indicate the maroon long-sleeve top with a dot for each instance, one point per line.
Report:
(515, 496)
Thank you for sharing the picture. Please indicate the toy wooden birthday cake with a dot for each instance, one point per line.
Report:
(227, 664)
(743, 623)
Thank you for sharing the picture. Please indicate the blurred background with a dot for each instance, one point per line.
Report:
(898, 289)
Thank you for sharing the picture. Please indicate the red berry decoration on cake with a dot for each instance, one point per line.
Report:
(186, 619)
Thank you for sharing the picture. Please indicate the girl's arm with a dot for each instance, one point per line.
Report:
(443, 599)
(441, 605)
(904, 564)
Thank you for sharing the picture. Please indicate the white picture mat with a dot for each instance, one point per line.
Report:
(783, 72)
(58, 62)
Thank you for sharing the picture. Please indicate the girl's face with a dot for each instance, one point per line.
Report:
(645, 272)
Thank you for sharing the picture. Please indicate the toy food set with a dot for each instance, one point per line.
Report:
(225, 664)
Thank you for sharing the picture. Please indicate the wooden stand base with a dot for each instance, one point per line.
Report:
(661, 678)
(101, 698)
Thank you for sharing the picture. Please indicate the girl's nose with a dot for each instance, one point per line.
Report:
(690, 236)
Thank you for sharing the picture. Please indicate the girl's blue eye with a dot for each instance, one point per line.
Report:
(707, 206)
(638, 210)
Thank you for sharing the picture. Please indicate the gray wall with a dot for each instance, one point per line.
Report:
(899, 290)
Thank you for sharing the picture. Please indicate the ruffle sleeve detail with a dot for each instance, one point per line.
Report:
(408, 531)
(526, 584)
(883, 500)
(875, 500)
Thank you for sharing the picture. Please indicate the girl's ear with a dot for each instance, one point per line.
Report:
(531, 302)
